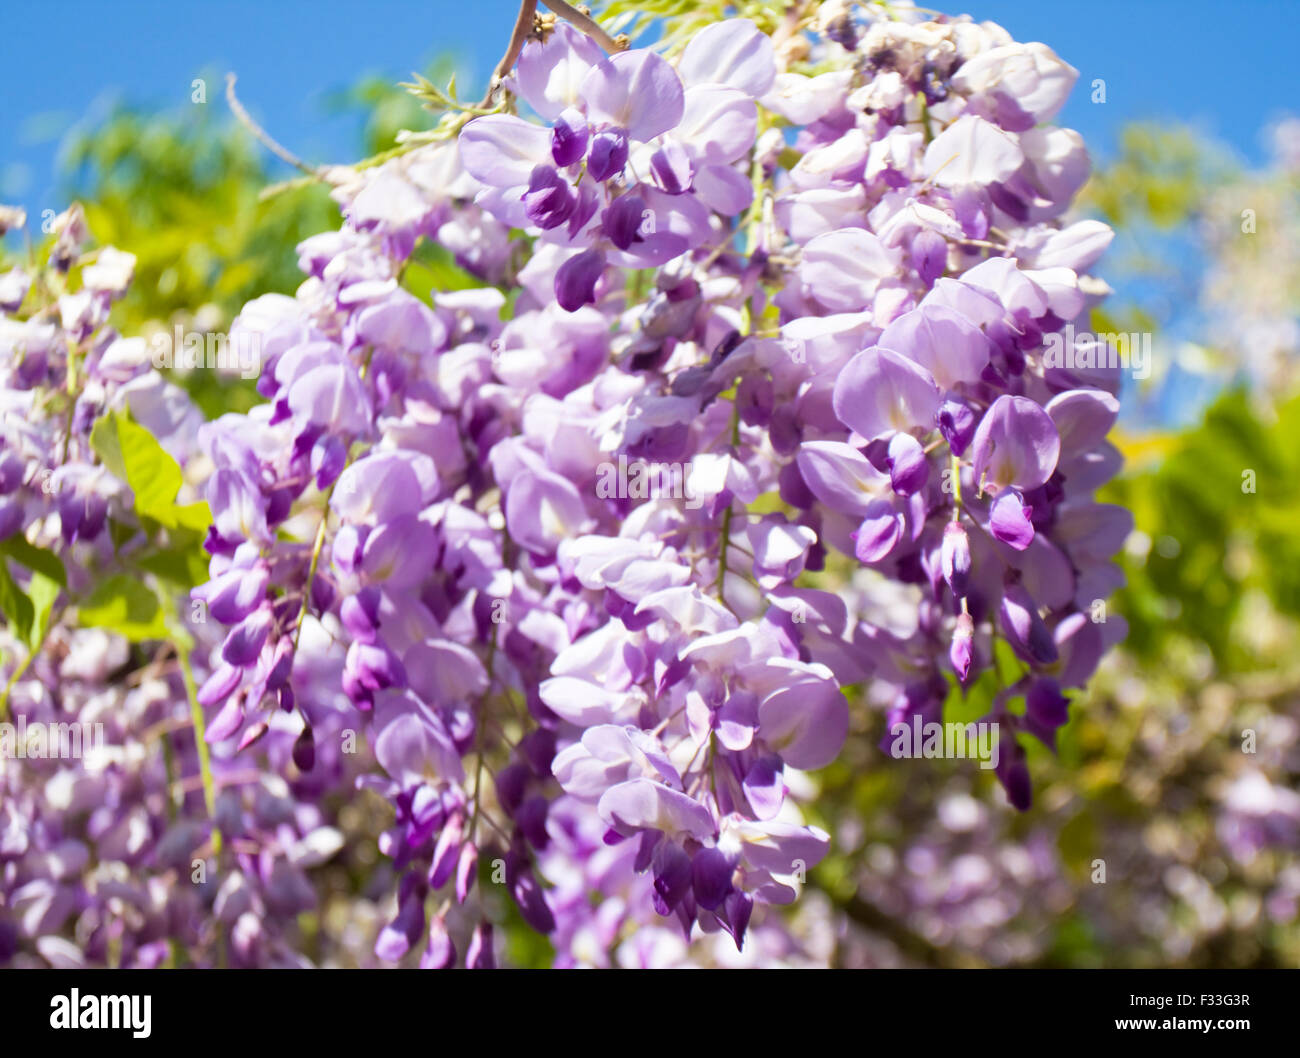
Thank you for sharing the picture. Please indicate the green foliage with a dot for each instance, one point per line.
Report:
(17, 607)
(38, 560)
(1220, 510)
(42, 591)
(681, 19)
(28, 613)
(432, 268)
(182, 193)
(1160, 178)
(137, 601)
(131, 452)
(125, 605)
(386, 109)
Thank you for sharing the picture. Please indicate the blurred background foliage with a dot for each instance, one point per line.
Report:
(194, 196)
(181, 191)
(1197, 834)
(1166, 831)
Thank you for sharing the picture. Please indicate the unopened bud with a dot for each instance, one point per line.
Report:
(962, 650)
(304, 751)
(955, 558)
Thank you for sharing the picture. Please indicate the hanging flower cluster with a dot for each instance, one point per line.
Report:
(122, 842)
(572, 544)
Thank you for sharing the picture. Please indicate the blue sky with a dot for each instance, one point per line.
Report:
(1229, 68)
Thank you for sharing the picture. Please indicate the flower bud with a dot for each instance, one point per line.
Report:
(569, 137)
(304, 751)
(608, 154)
(962, 650)
(955, 558)
(549, 201)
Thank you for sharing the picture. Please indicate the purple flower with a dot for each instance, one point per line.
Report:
(569, 135)
(608, 154)
(549, 201)
(1016, 444)
(1024, 628)
(961, 652)
(1009, 520)
(233, 595)
(929, 254)
(1013, 773)
(1046, 710)
(246, 639)
(623, 220)
(946, 344)
(711, 877)
(880, 532)
(548, 567)
(671, 168)
(634, 90)
(881, 391)
(575, 282)
(956, 423)
(956, 560)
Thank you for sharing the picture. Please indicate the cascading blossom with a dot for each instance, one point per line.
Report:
(112, 822)
(821, 299)
(741, 311)
(640, 161)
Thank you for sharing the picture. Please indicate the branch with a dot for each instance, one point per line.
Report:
(526, 23)
(523, 27)
(206, 781)
(247, 121)
(588, 25)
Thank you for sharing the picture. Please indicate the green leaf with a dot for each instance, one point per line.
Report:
(432, 269)
(196, 516)
(1077, 842)
(125, 605)
(42, 591)
(36, 559)
(16, 606)
(120, 533)
(131, 452)
(181, 566)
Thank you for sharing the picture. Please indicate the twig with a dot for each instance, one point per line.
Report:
(246, 119)
(205, 778)
(317, 546)
(523, 27)
(22, 666)
(9, 686)
(588, 25)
